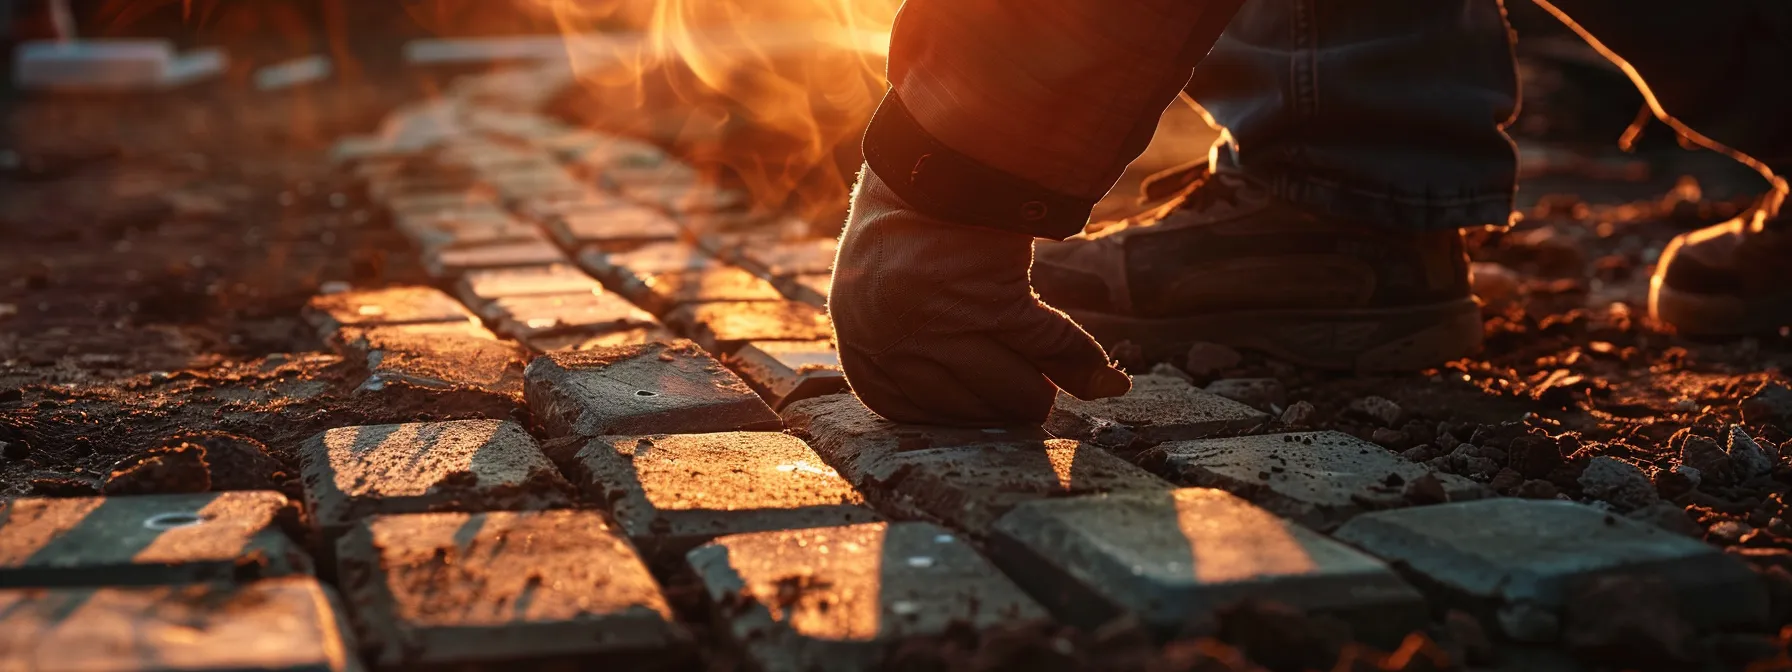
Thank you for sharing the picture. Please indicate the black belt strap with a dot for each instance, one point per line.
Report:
(945, 184)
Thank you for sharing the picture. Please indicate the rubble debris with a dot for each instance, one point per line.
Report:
(1618, 483)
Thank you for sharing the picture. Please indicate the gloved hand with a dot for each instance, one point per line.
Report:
(937, 323)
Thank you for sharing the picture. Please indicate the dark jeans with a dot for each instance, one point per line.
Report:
(1394, 110)
(1387, 110)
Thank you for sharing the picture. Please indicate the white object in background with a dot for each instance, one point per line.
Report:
(111, 65)
(487, 49)
(287, 74)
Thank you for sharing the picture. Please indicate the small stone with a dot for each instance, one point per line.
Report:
(1175, 557)
(351, 473)
(512, 588)
(1258, 393)
(1426, 489)
(1534, 456)
(1668, 516)
(653, 388)
(785, 372)
(1300, 414)
(1392, 439)
(1771, 405)
(1748, 456)
(144, 540)
(1206, 360)
(234, 461)
(1705, 455)
(1318, 479)
(723, 327)
(1730, 531)
(1158, 408)
(1517, 553)
(276, 624)
(841, 598)
(671, 493)
(1618, 483)
(1536, 489)
(1375, 408)
(1505, 480)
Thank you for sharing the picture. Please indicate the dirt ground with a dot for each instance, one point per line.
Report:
(155, 252)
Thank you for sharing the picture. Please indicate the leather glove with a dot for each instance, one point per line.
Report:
(937, 323)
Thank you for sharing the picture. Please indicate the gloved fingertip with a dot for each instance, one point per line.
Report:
(1104, 382)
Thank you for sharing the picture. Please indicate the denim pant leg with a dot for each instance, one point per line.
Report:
(1720, 67)
(1390, 111)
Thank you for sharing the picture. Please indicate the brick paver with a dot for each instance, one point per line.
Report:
(1320, 479)
(276, 624)
(785, 372)
(1516, 562)
(479, 288)
(351, 473)
(1175, 557)
(966, 478)
(590, 313)
(670, 493)
(621, 227)
(383, 307)
(663, 292)
(723, 327)
(1158, 408)
(838, 598)
(150, 539)
(503, 587)
(455, 261)
(653, 388)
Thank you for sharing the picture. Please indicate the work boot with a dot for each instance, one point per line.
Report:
(1227, 263)
(1727, 279)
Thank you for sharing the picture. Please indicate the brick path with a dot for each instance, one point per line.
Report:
(662, 400)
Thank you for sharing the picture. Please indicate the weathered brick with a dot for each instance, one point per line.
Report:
(1517, 562)
(643, 170)
(790, 371)
(383, 307)
(678, 198)
(454, 262)
(576, 341)
(150, 539)
(724, 326)
(607, 152)
(1175, 557)
(662, 292)
(790, 258)
(480, 288)
(460, 203)
(458, 356)
(841, 598)
(1319, 479)
(504, 587)
(278, 624)
(547, 208)
(433, 235)
(1159, 408)
(966, 478)
(591, 313)
(618, 269)
(811, 288)
(672, 492)
(111, 65)
(351, 473)
(653, 388)
(620, 227)
(389, 189)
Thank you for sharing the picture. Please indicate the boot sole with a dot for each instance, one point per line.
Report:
(1694, 314)
(1362, 340)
